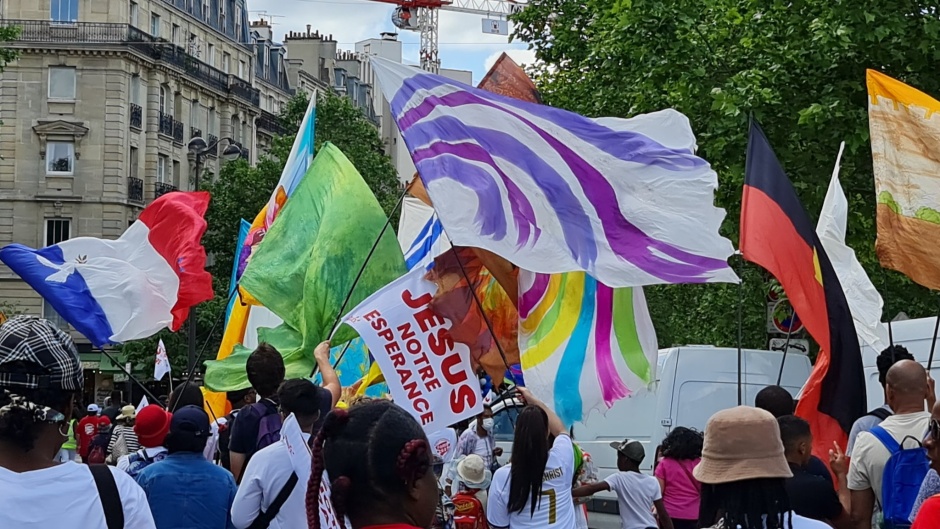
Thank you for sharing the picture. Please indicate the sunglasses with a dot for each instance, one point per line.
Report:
(933, 430)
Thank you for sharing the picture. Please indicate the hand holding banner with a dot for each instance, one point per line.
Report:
(428, 374)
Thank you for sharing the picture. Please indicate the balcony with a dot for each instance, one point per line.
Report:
(168, 126)
(194, 133)
(211, 140)
(137, 117)
(135, 190)
(162, 188)
(271, 123)
(127, 36)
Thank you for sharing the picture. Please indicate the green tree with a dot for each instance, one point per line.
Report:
(240, 191)
(798, 67)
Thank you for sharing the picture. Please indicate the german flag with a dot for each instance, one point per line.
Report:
(777, 234)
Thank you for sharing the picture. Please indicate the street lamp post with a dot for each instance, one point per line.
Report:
(198, 149)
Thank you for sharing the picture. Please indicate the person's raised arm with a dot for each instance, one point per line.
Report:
(328, 374)
(555, 426)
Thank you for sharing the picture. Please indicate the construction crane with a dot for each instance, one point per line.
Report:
(422, 16)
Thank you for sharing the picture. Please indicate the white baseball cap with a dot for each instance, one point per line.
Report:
(94, 407)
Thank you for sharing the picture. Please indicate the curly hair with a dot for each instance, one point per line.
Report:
(683, 444)
(372, 453)
(890, 356)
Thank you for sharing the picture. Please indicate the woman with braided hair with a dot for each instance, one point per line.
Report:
(378, 461)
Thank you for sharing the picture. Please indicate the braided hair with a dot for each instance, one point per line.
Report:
(372, 452)
(748, 504)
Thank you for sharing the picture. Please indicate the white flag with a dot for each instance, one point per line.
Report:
(864, 300)
(162, 365)
(143, 404)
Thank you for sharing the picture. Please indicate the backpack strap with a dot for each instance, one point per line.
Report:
(108, 495)
(879, 413)
(265, 518)
(882, 435)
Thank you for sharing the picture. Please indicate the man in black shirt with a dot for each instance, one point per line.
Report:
(810, 495)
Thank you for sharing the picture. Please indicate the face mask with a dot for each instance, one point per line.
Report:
(488, 425)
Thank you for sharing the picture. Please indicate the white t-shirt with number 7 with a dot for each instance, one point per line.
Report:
(556, 506)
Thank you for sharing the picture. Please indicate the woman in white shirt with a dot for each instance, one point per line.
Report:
(534, 490)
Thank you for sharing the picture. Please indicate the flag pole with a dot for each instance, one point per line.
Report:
(740, 330)
(933, 343)
(129, 375)
(786, 346)
(362, 269)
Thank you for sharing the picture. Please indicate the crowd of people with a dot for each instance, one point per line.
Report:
(176, 467)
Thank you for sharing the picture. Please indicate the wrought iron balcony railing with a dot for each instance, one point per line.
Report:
(135, 189)
(137, 116)
(162, 188)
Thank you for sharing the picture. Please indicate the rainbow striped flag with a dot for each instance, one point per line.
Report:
(583, 345)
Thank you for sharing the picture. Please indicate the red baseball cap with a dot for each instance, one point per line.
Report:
(104, 421)
(152, 425)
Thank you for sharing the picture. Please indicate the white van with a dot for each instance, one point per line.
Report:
(916, 336)
(692, 383)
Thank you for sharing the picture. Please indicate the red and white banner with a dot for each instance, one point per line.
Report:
(427, 373)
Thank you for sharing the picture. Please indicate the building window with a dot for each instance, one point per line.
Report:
(205, 10)
(238, 23)
(61, 83)
(60, 158)
(211, 55)
(164, 99)
(175, 34)
(64, 11)
(57, 230)
(222, 15)
(134, 158)
(194, 114)
(155, 25)
(135, 89)
(236, 127)
(210, 125)
(194, 48)
(226, 59)
(162, 162)
(176, 177)
(133, 14)
(241, 70)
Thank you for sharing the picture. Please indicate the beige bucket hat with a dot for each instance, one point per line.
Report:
(741, 443)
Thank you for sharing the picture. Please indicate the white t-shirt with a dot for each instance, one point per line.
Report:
(556, 508)
(65, 495)
(635, 496)
(264, 477)
(869, 455)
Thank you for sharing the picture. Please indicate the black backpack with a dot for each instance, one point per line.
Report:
(881, 413)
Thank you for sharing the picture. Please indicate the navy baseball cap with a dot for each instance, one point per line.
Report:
(191, 420)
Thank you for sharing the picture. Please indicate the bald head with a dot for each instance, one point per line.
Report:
(907, 377)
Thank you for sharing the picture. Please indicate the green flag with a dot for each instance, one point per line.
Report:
(307, 264)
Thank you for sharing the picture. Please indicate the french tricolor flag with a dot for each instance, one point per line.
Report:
(129, 288)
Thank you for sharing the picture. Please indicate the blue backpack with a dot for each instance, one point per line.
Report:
(904, 472)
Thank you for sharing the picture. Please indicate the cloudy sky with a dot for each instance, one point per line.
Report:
(463, 45)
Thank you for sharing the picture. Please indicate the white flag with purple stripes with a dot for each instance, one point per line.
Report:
(553, 191)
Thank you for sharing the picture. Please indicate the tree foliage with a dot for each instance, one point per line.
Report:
(797, 66)
(240, 191)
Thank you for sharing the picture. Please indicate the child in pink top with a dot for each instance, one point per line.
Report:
(681, 451)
